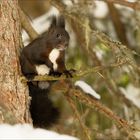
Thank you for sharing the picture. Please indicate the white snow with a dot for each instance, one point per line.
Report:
(101, 9)
(132, 0)
(26, 131)
(87, 89)
(42, 23)
(67, 2)
(132, 93)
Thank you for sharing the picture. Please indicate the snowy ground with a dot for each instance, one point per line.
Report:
(26, 131)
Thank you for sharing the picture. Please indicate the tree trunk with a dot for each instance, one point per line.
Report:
(13, 94)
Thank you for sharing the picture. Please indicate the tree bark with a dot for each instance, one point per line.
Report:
(14, 99)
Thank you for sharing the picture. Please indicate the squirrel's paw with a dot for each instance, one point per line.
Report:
(69, 73)
(56, 74)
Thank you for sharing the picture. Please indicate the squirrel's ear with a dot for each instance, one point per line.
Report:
(61, 22)
(53, 21)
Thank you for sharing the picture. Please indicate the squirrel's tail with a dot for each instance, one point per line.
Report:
(43, 113)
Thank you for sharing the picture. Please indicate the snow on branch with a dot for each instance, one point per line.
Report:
(87, 89)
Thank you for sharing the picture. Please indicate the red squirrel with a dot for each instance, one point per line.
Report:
(45, 56)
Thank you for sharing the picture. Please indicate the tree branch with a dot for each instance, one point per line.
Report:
(75, 75)
(70, 91)
(27, 25)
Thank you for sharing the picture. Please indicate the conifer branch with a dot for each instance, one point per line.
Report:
(76, 75)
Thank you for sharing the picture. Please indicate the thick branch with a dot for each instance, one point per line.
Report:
(27, 25)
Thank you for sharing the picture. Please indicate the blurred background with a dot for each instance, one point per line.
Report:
(119, 87)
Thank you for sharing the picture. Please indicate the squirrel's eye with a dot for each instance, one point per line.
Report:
(59, 36)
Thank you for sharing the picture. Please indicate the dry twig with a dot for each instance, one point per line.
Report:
(85, 129)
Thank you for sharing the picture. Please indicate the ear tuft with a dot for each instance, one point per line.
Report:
(53, 21)
(61, 21)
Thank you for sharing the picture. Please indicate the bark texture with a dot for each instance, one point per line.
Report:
(13, 93)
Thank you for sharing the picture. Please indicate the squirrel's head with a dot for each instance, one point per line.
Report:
(57, 35)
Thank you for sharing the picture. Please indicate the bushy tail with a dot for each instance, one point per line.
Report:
(43, 113)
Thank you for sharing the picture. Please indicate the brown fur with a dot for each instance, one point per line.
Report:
(37, 52)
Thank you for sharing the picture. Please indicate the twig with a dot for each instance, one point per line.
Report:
(75, 75)
(85, 129)
(92, 103)
(124, 51)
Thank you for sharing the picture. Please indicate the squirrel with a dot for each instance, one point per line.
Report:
(45, 56)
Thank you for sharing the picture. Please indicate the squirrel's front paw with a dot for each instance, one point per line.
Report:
(69, 73)
(57, 74)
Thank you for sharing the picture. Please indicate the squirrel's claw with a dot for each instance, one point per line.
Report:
(69, 73)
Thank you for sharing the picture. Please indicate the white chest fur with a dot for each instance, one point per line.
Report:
(42, 69)
(54, 54)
